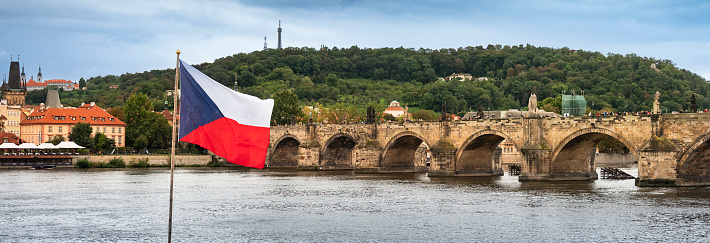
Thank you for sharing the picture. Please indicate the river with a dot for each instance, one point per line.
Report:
(227, 205)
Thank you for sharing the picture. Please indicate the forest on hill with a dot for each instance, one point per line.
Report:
(353, 78)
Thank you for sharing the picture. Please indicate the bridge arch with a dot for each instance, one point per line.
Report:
(338, 152)
(285, 152)
(694, 162)
(476, 154)
(573, 156)
(399, 153)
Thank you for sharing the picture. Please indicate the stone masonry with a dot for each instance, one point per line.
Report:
(671, 149)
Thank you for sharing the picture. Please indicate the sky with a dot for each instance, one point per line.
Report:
(72, 39)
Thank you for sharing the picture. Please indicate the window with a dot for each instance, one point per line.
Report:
(59, 129)
(73, 118)
(110, 118)
(49, 129)
(103, 119)
(119, 130)
(93, 118)
(119, 140)
(4, 140)
(83, 118)
(113, 130)
(104, 130)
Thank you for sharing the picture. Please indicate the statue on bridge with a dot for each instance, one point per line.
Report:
(480, 113)
(370, 115)
(656, 108)
(532, 105)
(693, 106)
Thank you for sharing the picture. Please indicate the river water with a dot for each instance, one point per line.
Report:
(227, 205)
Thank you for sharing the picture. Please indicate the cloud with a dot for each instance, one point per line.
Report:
(83, 38)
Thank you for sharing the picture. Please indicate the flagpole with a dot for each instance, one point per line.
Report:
(172, 151)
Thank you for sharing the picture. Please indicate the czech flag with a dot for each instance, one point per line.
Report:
(232, 125)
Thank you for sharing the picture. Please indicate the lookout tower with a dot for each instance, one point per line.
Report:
(279, 30)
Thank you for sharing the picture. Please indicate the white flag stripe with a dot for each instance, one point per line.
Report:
(243, 108)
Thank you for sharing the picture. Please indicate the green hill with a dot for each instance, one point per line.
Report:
(359, 77)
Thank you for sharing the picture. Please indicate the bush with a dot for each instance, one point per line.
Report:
(140, 163)
(116, 163)
(83, 163)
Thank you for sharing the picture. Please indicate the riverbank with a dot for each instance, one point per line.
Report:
(152, 160)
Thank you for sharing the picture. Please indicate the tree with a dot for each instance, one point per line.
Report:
(81, 134)
(389, 117)
(57, 139)
(285, 106)
(158, 131)
(116, 112)
(141, 142)
(82, 83)
(424, 115)
(101, 142)
(138, 107)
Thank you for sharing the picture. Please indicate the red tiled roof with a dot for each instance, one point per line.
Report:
(34, 83)
(167, 114)
(92, 115)
(58, 81)
(11, 138)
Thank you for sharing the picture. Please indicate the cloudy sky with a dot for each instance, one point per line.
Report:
(85, 38)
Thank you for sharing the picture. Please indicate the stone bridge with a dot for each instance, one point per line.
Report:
(671, 149)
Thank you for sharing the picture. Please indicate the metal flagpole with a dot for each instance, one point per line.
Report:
(172, 151)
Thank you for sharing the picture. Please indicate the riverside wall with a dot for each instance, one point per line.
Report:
(152, 159)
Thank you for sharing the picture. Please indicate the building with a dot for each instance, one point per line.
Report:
(14, 117)
(66, 85)
(395, 109)
(14, 90)
(9, 138)
(169, 117)
(461, 76)
(43, 124)
(34, 85)
(509, 154)
(574, 105)
(52, 100)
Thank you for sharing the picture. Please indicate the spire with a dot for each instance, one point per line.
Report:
(279, 30)
(264, 42)
(23, 77)
(39, 75)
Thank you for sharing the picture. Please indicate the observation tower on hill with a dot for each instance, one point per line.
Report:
(279, 30)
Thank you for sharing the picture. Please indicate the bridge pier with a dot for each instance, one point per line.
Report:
(367, 160)
(442, 162)
(657, 168)
(536, 165)
(308, 158)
